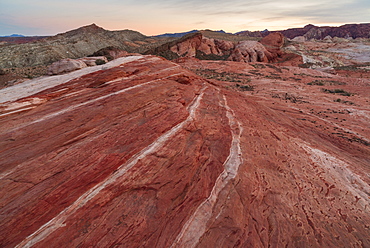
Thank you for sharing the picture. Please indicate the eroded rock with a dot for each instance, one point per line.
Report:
(65, 65)
(249, 51)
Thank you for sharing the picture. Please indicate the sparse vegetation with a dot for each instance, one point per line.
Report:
(258, 66)
(223, 76)
(306, 65)
(337, 91)
(244, 87)
(203, 56)
(99, 62)
(326, 82)
(344, 101)
(359, 67)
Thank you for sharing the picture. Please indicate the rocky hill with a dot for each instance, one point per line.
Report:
(313, 32)
(73, 44)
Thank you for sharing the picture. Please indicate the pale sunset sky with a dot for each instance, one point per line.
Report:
(49, 17)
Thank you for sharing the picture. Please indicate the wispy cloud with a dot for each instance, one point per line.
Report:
(156, 16)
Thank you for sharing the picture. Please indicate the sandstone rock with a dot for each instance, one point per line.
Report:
(208, 46)
(273, 41)
(187, 47)
(299, 39)
(111, 53)
(65, 65)
(248, 51)
(91, 61)
(148, 154)
(224, 45)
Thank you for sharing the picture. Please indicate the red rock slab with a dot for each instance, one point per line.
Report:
(58, 151)
(150, 155)
(294, 188)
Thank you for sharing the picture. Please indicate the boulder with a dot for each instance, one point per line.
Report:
(91, 61)
(299, 39)
(65, 65)
(111, 53)
(248, 51)
(273, 41)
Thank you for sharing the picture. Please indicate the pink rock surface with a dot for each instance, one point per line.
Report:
(248, 51)
(149, 154)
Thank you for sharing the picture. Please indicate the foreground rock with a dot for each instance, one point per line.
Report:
(147, 154)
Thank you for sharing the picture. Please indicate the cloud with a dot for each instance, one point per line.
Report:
(160, 16)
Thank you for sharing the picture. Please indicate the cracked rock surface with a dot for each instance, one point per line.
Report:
(144, 152)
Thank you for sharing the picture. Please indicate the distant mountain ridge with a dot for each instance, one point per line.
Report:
(176, 35)
(179, 35)
(314, 32)
(73, 44)
(14, 35)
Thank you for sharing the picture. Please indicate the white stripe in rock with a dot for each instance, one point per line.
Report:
(59, 220)
(71, 108)
(195, 227)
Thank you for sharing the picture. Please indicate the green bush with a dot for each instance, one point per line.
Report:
(99, 62)
(337, 91)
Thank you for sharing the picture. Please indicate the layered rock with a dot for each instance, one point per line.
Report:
(147, 154)
(194, 45)
(187, 47)
(249, 51)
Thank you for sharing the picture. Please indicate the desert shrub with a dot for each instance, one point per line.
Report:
(99, 62)
(306, 65)
(316, 82)
(245, 87)
(202, 56)
(343, 101)
(326, 82)
(337, 91)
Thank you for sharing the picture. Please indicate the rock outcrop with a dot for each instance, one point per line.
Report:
(146, 153)
(187, 47)
(194, 45)
(249, 51)
(274, 43)
(65, 65)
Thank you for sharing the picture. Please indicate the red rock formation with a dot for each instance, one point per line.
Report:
(187, 47)
(249, 51)
(208, 46)
(274, 43)
(148, 154)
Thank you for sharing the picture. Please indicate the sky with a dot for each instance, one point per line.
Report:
(49, 17)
